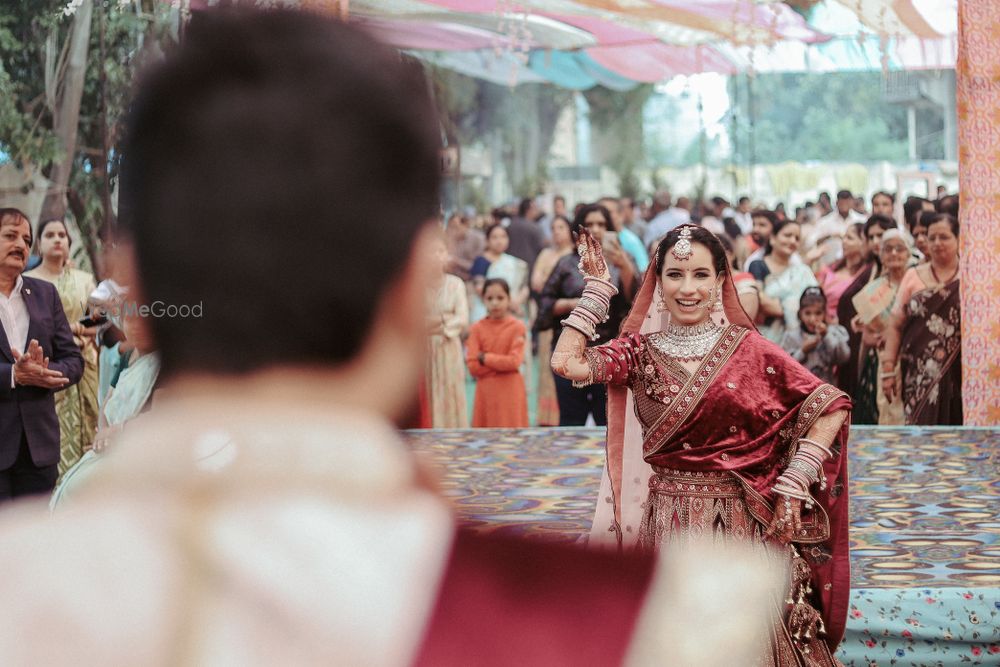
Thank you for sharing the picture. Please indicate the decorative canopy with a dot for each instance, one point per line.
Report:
(619, 43)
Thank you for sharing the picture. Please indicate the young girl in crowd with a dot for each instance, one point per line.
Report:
(494, 352)
(817, 345)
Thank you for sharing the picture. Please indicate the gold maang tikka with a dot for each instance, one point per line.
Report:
(682, 249)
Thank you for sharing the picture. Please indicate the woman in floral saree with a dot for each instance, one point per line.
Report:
(924, 336)
(713, 431)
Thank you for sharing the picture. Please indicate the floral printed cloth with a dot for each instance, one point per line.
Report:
(933, 627)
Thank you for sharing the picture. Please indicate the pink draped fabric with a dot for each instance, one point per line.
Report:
(979, 173)
(732, 19)
(657, 62)
(431, 36)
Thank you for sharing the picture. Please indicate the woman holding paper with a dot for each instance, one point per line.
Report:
(849, 373)
(874, 306)
(923, 339)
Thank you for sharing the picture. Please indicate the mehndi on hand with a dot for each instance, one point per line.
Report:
(592, 261)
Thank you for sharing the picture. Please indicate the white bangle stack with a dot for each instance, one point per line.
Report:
(804, 470)
(592, 308)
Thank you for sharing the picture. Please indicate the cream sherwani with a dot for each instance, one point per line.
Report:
(214, 535)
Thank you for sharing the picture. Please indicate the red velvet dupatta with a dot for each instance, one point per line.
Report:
(742, 411)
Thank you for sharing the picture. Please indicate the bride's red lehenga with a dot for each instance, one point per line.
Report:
(695, 454)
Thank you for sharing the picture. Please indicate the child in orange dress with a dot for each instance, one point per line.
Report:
(494, 353)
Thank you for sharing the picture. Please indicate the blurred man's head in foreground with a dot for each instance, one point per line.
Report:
(280, 168)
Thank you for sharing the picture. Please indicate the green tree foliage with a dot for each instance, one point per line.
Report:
(33, 35)
(523, 119)
(837, 116)
(25, 120)
(616, 117)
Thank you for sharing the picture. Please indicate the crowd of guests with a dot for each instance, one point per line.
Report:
(102, 350)
(865, 297)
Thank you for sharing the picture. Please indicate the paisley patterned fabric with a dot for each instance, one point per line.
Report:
(979, 174)
(76, 406)
(925, 525)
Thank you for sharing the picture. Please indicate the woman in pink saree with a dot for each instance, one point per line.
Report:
(715, 432)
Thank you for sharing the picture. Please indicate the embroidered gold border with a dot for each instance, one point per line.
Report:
(816, 526)
(694, 389)
(812, 409)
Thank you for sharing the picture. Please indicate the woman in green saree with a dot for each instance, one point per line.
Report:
(76, 406)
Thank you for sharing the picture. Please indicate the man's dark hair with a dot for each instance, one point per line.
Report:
(911, 207)
(883, 193)
(764, 213)
(947, 204)
(523, 206)
(744, 200)
(732, 229)
(844, 194)
(272, 174)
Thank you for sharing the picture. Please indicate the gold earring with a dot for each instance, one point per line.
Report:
(661, 303)
(717, 304)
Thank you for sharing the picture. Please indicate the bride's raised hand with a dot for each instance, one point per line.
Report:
(591, 256)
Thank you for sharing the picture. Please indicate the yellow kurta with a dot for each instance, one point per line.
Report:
(76, 406)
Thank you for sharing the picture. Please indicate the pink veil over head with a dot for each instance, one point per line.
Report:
(624, 484)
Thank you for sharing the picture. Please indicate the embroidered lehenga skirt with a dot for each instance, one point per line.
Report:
(688, 505)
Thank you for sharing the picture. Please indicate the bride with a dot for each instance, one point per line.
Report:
(713, 431)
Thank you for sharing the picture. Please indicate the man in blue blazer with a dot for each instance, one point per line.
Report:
(37, 358)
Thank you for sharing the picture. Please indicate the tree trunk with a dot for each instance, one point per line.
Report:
(108, 220)
(66, 114)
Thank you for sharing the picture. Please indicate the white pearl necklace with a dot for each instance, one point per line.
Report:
(687, 343)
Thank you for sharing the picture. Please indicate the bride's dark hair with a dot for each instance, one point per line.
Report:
(698, 235)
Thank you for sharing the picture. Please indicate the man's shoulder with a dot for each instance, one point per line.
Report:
(107, 570)
(38, 285)
(661, 218)
(520, 224)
